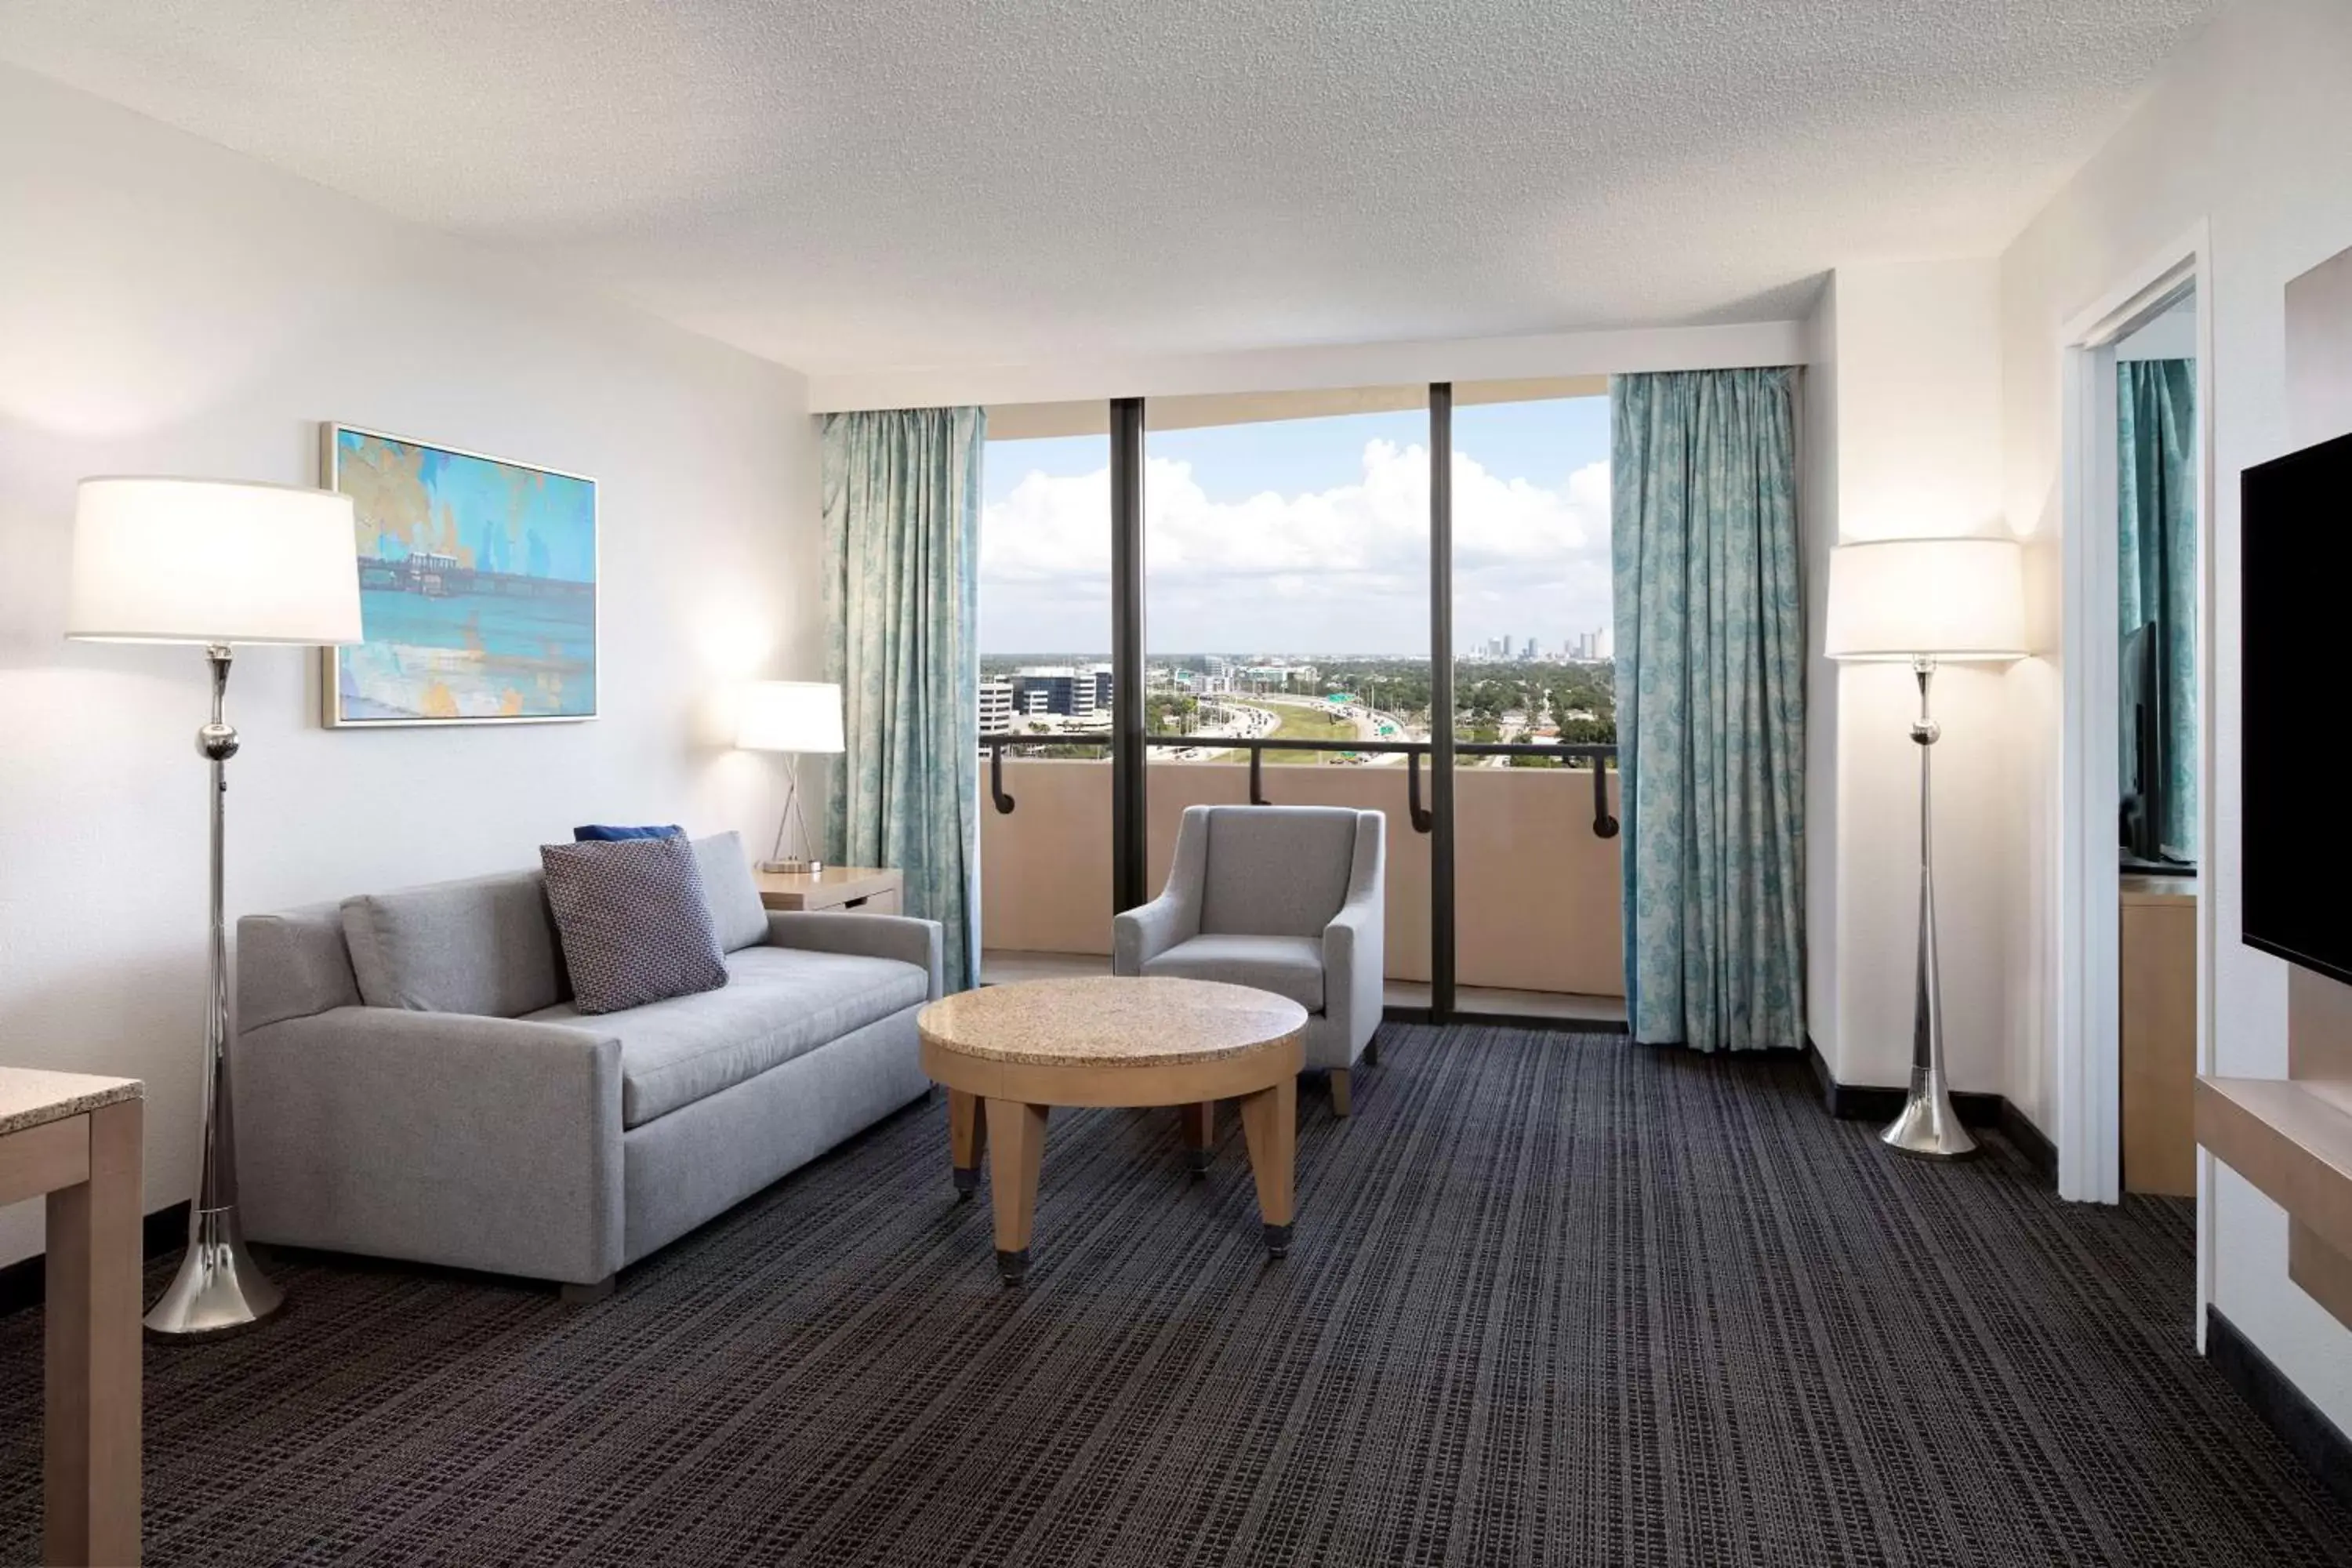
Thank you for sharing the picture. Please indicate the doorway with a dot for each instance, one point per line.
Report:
(2136, 934)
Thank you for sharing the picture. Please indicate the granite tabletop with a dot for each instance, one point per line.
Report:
(30, 1095)
(1105, 1021)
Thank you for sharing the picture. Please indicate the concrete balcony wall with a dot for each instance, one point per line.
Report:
(1536, 894)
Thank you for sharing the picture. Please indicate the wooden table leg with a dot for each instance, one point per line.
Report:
(1200, 1133)
(1270, 1127)
(967, 1138)
(1016, 1142)
(92, 1484)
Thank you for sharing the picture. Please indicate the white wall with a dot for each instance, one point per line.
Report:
(1907, 365)
(169, 306)
(2252, 131)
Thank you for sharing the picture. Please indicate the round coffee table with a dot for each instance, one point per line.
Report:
(1019, 1049)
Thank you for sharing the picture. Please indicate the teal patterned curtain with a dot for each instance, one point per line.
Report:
(1710, 706)
(902, 609)
(2155, 517)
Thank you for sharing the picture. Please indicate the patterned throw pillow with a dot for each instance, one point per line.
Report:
(635, 926)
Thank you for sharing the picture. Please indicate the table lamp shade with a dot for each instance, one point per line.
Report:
(789, 716)
(1950, 599)
(212, 560)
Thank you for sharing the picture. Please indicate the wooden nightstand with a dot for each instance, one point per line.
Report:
(845, 889)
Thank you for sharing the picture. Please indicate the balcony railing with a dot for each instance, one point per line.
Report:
(1535, 850)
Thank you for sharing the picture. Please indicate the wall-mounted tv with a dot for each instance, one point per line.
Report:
(2296, 674)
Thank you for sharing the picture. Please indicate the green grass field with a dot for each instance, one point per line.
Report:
(1303, 723)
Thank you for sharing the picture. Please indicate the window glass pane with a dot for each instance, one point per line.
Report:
(1286, 579)
(1536, 891)
(1287, 597)
(1044, 662)
(1532, 620)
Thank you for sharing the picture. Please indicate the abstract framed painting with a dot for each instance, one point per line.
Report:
(478, 587)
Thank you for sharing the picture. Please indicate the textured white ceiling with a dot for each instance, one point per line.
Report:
(853, 185)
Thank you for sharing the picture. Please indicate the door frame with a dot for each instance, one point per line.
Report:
(2089, 934)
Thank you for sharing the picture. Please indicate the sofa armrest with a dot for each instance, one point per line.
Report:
(902, 937)
(474, 1142)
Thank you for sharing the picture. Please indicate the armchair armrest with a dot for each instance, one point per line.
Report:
(1355, 962)
(1142, 934)
(902, 937)
(475, 1143)
(1355, 959)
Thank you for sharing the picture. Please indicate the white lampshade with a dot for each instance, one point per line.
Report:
(212, 560)
(789, 716)
(1928, 598)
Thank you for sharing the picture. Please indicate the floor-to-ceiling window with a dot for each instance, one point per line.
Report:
(1286, 598)
(1045, 653)
(1532, 647)
(1272, 640)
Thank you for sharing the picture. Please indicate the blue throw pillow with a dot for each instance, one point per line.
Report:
(602, 833)
(635, 924)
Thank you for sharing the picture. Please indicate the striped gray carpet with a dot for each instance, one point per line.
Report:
(1553, 1301)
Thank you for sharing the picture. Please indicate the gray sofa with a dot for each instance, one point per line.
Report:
(1287, 899)
(411, 1081)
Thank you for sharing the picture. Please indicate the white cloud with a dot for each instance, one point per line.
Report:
(1343, 569)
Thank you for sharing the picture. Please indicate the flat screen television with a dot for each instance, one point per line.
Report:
(2296, 585)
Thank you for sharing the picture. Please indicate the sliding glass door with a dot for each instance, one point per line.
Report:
(1286, 611)
(1388, 598)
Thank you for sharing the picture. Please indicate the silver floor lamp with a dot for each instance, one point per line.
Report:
(1922, 602)
(214, 563)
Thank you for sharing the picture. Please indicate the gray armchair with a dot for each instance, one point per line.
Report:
(1282, 898)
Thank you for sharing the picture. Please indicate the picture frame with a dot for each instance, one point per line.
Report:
(481, 587)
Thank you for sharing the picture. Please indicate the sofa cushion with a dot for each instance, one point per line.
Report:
(779, 1002)
(485, 946)
(1288, 966)
(736, 912)
(636, 928)
(608, 832)
(1277, 870)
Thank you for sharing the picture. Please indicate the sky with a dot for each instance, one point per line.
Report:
(1306, 535)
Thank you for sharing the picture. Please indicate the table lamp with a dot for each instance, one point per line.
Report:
(214, 563)
(797, 717)
(1921, 602)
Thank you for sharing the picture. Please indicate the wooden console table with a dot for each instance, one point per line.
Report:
(845, 889)
(75, 1138)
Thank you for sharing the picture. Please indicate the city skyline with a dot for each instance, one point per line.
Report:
(1310, 535)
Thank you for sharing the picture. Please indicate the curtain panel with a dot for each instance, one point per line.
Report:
(2156, 525)
(1710, 706)
(902, 610)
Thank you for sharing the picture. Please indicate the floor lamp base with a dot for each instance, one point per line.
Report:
(219, 1288)
(1929, 1129)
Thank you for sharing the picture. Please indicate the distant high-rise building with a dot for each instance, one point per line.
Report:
(1528, 650)
(995, 707)
(1074, 691)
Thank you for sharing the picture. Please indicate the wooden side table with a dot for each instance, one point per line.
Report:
(845, 889)
(1008, 1053)
(75, 1138)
